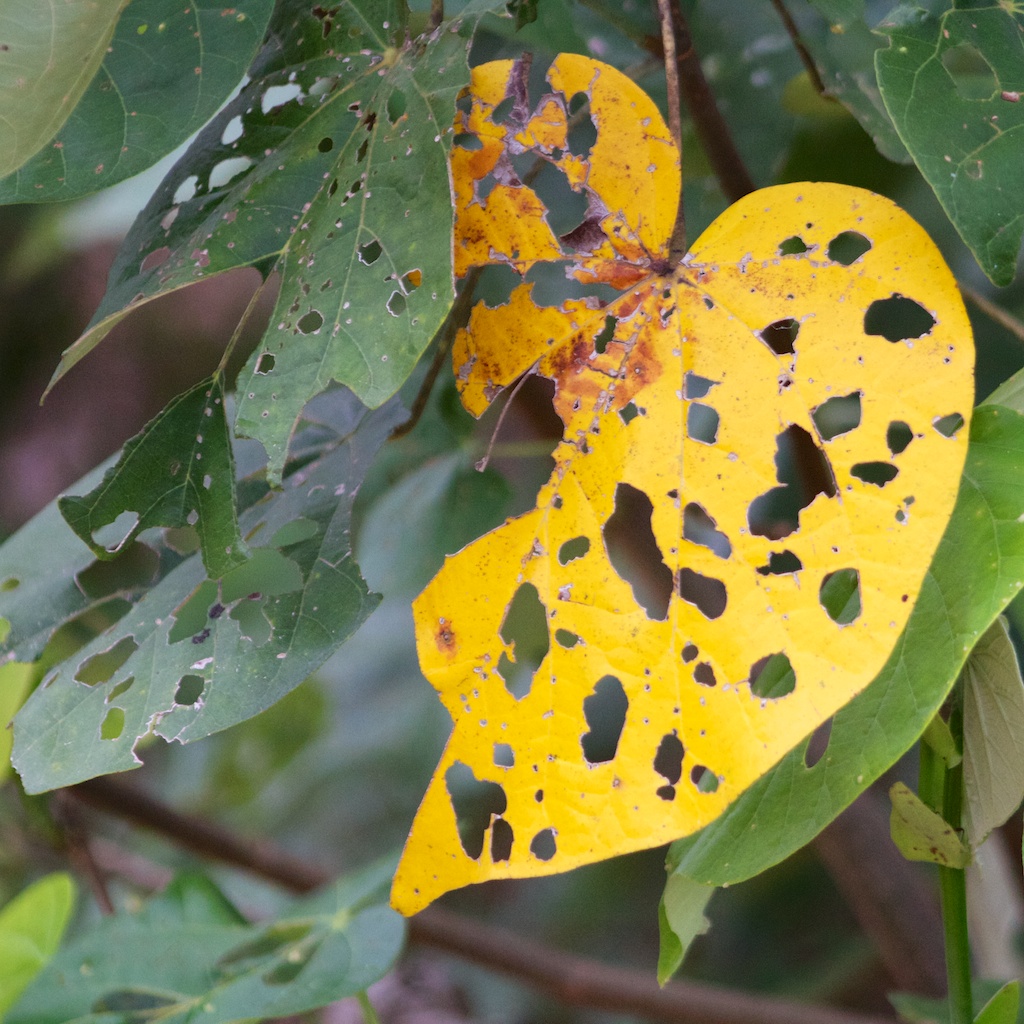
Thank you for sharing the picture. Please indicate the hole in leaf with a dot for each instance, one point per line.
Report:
(898, 436)
(793, 246)
(504, 755)
(877, 473)
(949, 425)
(397, 304)
(566, 638)
(122, 687)
(113, 536)
(474, 802)
(607, 333)
(501, 112)
(566, 207)
(572, 549)
(898, 319)
(803, 472)
(101, 667)
(695, 386)
(634, 553)
(542, 845)
(582, 131)
(310, 323)
(467, 140)
(501, 840)
(266, 363)
(525, 630)
(780, 563)
(971, 73)
(227, 170)
(136, 1005)
(190, 689)
(847, 247)
(690, 652)
(668, 763)
(362, 151)
(605, 714)
(772, 677)
(411, 280)
(818, 743)
(370, 252)
(700, 528)
(704, 674)
(397, 105)
(781, 335)
(326, 144)
(629, 412)
(113, 724)
(704, 779)
(135, 567)
(702, 423)
(840, 596)
(837, 415)
(705, 592)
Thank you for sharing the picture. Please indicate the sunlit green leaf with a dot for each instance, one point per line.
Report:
(196, 52)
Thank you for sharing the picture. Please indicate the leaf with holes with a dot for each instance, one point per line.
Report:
(953, 86)
(762, 447)
(330, 166)
(153, 484)
(192, 655)
(196, 52)
(188, 954)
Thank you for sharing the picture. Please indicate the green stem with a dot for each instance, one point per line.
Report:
(369, 1013)
(942, 789)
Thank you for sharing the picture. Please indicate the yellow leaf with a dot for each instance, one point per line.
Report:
(776, 427)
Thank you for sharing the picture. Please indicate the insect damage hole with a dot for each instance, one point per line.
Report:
(112, 725)
(504, 756)
(898, 319)
(949, 425)
(838, 415)
(700, 528)
(971, 72)
(605, 714)
(310, 323)
(525, 630)
(634, 553)
(265, 363)
(780, 336)
(668, 763)
(702, 423)
(793, 246)
(101, 667)
(803, 472)
(847, 247)
(190, 689)
(706, 593)
(543, 845)
(780, 563)
(502, 838)
(370, 252)
(572, 549)
(704, 779)
(877, 473)
(475, 802)
(704, 674)
(839, 595)
(898, 436)
(772, 677)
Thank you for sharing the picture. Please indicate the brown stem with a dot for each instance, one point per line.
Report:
(993, 312)
(708, 122)
(436, 14)
(669, 14)
(68, 818)
(571, 979)
(798, 45)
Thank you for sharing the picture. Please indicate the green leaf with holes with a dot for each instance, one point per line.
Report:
(965, 590)
(188, 955)
(953, 85)
(31, 928)
(192, 655)
(196, 52)
(159, 482)
(38, 93)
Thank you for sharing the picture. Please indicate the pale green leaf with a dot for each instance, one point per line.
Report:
(51, 51)
(680, 920)
(939, 737)
(1003, 1007)
(921, 834)
(15, 681)
(993, 734)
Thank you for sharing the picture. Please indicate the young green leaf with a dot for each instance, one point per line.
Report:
(993, 734)
(1003, 1007)
(1002, 997)
(952, 85)
(680, 920)
(15, 681)
(195, 52)
(188, 953)
(193, 655)
(921, 834)
(871, 732)
(178, 472)
(31, 927)
(38, 93)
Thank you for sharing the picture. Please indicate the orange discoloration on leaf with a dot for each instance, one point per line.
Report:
(744, 417)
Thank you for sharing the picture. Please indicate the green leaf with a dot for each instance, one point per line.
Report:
(843, 47)
(194, 656)
(158, 481)
(15, 682)
(187, 956)
(1003, 1007)
(31, 927)
(952, 85)
(917, 1009)
(993, 734)
(939, 737)
(37, 92)
(921, 834)
(680, 920)
(195, 52)
(977, 569)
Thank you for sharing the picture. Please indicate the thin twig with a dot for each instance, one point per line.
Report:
(802, 51)
(670, 13)
(482, 463)
(994, 312)
(67, 816)
(571, 979)
(436, 14)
